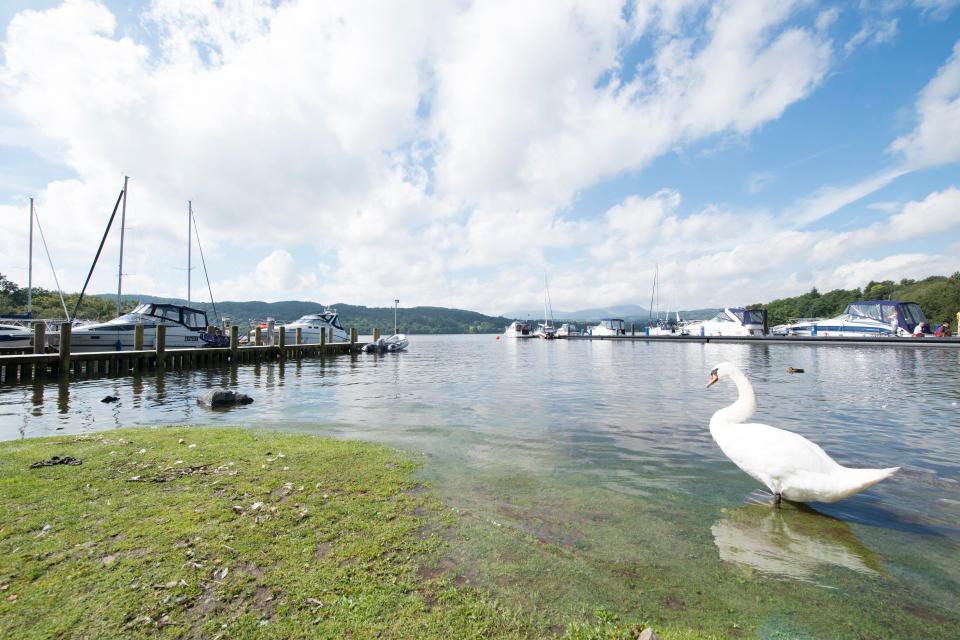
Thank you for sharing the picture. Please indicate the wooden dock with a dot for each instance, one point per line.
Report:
(25, 367)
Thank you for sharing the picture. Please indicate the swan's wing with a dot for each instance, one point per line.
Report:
(772, 455)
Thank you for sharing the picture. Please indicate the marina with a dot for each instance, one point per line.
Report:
(584, 473)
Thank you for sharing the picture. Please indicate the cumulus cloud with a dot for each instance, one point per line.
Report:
(936, 138)
(426, 151)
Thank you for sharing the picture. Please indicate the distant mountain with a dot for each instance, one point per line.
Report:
(413, 320)
(629, 312)
(625, 311)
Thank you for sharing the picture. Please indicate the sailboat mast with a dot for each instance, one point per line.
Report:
(653, 291)
(30, 265)
(123, 223)
(189, 243)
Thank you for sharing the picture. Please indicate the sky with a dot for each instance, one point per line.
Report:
(456, 153)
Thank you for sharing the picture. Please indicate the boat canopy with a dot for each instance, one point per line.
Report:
(192, 318)
(329, 317)
(905, 314)
(612, 323)
(746, 316)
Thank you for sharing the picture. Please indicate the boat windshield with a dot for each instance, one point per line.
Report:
(332, 319)
(722, 317)
(746, 316)
(880, 311)
(614, 324)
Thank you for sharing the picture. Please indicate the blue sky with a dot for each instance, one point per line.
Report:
(450, 155)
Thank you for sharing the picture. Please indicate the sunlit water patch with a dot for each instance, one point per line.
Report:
(586, 476)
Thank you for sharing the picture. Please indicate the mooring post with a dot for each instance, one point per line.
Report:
(160, 344)
(258, 336)
(353, 338)
(283, 342)
(138, 338)
(234, 343)
(39, 337)
(323, 338)
(376, 333)
(329, 335)
(299, 335)
(65, 348)
(633, 329)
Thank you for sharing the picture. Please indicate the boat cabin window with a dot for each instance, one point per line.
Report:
(194, 319)
(722, 317)
(913, 313)
(612, 324)
(746, 316)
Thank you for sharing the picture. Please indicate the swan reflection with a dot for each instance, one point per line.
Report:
(794, 542)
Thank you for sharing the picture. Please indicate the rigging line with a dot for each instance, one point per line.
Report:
(36, 216)
(97, 257)
(205, 274)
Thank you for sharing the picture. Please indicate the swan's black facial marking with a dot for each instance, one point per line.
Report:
(713, 378)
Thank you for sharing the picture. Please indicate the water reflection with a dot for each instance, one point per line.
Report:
(794, 541)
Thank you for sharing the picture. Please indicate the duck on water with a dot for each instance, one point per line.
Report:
(791, 466)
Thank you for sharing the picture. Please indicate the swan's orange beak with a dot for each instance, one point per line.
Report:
(713, 380)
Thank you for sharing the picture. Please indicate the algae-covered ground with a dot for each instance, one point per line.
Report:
(219, 533)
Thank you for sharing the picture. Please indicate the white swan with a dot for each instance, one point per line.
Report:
(791, 466)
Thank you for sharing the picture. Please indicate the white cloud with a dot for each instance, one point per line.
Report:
(872, 33)
(936, 138)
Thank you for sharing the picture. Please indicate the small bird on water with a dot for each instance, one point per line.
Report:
(794, 370)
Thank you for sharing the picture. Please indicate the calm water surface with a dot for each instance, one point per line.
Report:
(586, 475)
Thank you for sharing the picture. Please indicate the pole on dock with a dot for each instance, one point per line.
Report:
(283, 342)
(330, 335)
(376, 333)
(65, 348)
(258, 336)
(138, 338)
(160, 343)
(323, 338)
(298, 336)
(633, 328)
(234, 343)
(39, 337)
(353, 337)
(30, 266)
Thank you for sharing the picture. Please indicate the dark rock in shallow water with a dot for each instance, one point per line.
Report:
(220, 398)
(110, 399)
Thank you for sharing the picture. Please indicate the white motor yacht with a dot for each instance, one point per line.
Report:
(312, 324)
(732, 321)
(866, 319)
(518, 329)
(185, 328)
(15, 337)
(608, 327)
(566, 330)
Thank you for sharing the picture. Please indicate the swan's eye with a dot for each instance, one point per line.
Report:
(713, 373)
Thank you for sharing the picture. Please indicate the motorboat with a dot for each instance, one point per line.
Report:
(566, 330)
(186, 328)
(667, 327)
(389, 344)
(518, 329)
(15, 337)
(867, 319)
(312, 324)
(732, 321)
(608, 327)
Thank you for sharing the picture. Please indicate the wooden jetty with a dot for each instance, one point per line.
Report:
(64, 364)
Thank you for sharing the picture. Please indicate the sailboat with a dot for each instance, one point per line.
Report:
(661, 327)
(186, 327)
(546, 330)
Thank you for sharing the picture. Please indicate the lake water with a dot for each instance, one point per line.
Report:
(585, 475)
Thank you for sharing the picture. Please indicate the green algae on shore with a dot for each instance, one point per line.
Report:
(227, 533)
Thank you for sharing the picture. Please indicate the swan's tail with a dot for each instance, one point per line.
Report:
(858, 480)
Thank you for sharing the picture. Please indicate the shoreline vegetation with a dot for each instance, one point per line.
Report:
(201, 532)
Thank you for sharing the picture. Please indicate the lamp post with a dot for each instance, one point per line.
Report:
(395, 303)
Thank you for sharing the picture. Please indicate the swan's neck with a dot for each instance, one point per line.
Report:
(743, 408)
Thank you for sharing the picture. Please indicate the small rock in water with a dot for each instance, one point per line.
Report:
(222, 398)
(648, 634)
(110, 399)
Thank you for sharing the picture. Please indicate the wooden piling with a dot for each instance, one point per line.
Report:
(353, 338)
(299, 336)
(258, 336)
(138, 338)
(160, 344)
(64, 366)
(234, 343)
(39, 338)
(329, 335)
(323, 338)
(283, 342)
(376, 334)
